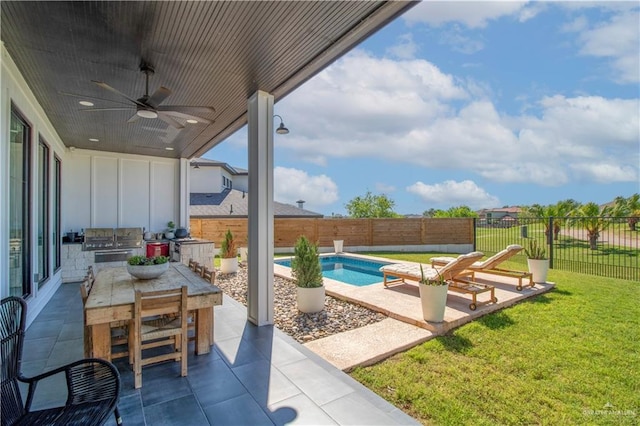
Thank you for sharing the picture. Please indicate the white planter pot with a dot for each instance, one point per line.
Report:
(337, 246)
(434, 301)
(310, 300)
(244, 251)
(539, 268)
(169, 235)
(229, 265)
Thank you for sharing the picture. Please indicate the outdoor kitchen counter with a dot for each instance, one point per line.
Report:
(183, 249)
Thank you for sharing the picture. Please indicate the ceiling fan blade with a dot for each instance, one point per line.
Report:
(186, 108)
(187, 116)
(170, 121)
(108, 109)
(158, 96)
(111, 89)
(91, 97)
(133, 118)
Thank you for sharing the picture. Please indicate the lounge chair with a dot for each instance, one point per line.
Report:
(456, 272)
(490, 265)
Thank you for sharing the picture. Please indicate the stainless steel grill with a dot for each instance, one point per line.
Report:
(98, 239)
(108, 238)
(128, 237)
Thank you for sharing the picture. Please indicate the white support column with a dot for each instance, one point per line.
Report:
(260, 260)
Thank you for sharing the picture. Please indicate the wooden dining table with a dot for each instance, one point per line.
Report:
(112, 298)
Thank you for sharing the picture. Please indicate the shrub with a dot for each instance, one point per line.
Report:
(228, 249)
(305, 266)
(143, 260)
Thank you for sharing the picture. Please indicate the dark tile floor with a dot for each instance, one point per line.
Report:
(253, 376)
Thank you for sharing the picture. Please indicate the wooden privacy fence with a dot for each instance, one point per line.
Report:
(354, 232)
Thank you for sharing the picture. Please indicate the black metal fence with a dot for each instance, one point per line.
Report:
(608, 247)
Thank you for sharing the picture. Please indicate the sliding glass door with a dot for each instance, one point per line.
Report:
(19, 213)
(57, 204)
(43, 213)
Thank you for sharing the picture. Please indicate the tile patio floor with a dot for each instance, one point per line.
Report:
(253, 376)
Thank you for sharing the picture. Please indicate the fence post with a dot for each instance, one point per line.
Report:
(475, 234)
(550, 242)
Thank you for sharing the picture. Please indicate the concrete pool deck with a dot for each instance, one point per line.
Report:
(405, 326)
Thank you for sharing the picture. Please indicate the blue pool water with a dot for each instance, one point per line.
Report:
(358, 272)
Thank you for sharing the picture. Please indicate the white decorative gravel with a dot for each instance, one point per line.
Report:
(338, 316)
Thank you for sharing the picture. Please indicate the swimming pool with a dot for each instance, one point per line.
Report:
(349, 270)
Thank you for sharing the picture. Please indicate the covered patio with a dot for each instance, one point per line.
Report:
(103, 106)
(254, 376)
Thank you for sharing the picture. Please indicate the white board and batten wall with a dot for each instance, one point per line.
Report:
(105, 190)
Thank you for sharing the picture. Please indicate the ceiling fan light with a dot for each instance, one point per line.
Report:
(146, 113)
(86, 103)
(191, 121)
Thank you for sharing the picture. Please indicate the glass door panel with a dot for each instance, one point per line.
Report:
(19, 216)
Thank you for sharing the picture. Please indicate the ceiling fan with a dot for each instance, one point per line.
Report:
(148, 106)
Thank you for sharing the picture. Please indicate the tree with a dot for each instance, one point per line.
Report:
(371, 206)
(593, 219)
(628, 207)
(429, 213)
(558, 211)
(460, 211)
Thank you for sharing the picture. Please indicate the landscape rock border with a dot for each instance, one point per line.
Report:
(338, 315)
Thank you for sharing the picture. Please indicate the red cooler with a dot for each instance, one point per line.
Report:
(157, 249)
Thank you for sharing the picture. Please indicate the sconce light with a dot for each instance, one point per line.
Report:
(281, 130)
(196, 165)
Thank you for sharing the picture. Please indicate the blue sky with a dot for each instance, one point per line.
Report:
(483, 104)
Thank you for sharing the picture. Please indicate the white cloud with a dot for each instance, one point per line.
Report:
(454, 193)
(385, 188)
(604, 173)
(291, 185)
(473, 14)
(406, 48)
(409, 112)
(459, 42)
(617, 39)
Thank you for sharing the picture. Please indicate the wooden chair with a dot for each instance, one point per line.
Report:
(209, 274)
(153, 328)
(198, 269)
(93, 385)
(193, 264)
(119, 329)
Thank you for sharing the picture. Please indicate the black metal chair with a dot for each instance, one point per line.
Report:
(93, 384)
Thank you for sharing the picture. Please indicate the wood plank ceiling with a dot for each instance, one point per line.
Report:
(208, 53)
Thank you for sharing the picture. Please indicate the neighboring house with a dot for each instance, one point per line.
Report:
(210, 176)
(219, 190)
(234, 203)
(504, 217)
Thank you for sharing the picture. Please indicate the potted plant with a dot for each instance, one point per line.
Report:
(433, 296)
(307, 273)
(145, 268)
(337, 244)
(243, 251)
(228, 254)
(537, 261)
(169, 232)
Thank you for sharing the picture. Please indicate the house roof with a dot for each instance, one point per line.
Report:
(512, 209)
(234, 203)
(212, 55)
(205, 162)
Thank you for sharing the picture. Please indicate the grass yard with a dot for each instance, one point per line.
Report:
(570, 356)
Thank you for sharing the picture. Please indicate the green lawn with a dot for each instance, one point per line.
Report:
(555, 359)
